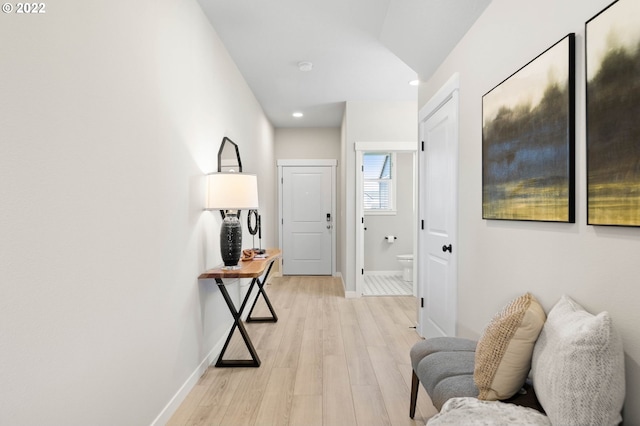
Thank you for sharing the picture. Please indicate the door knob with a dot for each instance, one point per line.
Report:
(447, 248)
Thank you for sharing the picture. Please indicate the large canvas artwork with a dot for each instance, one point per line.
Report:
(528, 140)
(613, 115)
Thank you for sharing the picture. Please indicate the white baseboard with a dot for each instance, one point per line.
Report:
(179, 397)
(351, 295)
(347, 294)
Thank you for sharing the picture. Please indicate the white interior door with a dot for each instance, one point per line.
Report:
(438, 205)
(307, 220)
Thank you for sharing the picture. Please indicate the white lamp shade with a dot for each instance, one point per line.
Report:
(232, 191)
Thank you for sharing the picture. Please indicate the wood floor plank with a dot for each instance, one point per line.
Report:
(394, 389)
(273, 332)
(384, 321)
(358, 361)
(410, 308)
(248, 396)
(282, 294)
(306, 410)
(396, 311)
(368, 326)
(213, 389)
(309, 371)
(369, 406)
(209, 416)
(337, 399)
(188, 406)
(392, 329)
(313, 320)
(223, 384)
(289, 350)
(275, 408)
(347, 313)
(332, 337)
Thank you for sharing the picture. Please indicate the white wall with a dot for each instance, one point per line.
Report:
(341, 259)
(597, 266)
(110, 114)
(368, 121)
(379, 255)
(320, 143)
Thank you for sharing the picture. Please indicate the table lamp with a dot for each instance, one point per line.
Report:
(231, 192)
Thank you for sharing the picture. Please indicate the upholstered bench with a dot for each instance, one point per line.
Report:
(447, 369)
(574, 360)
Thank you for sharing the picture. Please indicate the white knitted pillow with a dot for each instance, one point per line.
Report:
(578, 367)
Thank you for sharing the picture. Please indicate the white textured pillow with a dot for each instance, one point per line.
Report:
(578, 367)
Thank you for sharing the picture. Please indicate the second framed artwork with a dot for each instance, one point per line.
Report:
(613, 112)
(528, 140)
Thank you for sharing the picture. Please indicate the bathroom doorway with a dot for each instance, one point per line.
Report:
(386, 216)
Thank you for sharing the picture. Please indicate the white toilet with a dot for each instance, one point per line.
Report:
(406, 261)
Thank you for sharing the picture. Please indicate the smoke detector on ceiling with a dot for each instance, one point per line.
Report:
(305, 66)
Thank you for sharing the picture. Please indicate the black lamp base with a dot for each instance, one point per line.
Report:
(231, 241)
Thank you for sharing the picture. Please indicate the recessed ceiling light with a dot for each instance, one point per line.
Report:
(305, 66)
(414, 83)
(297, 114)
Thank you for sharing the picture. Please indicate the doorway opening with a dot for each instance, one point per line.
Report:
(387, 218)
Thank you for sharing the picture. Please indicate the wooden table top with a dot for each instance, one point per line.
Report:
(248, 268)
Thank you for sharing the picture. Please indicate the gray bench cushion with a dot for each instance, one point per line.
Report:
(440, 344)
(453, 387)
(445, 366)
(447, 375)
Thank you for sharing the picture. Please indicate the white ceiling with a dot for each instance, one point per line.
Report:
(361, 50)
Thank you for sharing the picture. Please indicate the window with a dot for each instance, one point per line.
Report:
(379, 183)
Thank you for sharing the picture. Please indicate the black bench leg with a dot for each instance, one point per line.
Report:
(415, 384)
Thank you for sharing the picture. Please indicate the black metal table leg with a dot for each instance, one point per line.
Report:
(237, 322)
(273, 317)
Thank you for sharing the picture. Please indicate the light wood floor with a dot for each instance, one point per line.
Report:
(327, 361)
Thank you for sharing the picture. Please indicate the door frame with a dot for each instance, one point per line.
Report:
(361, 148)
(309, 163)
(449, 91)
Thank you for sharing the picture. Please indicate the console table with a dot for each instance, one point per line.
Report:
(248, 269)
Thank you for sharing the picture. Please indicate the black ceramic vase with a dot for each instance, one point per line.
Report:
(230, 240)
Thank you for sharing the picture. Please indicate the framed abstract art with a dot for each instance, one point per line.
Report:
(613, 115)
(528, 139)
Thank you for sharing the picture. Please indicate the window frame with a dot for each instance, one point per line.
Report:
(392, 185)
